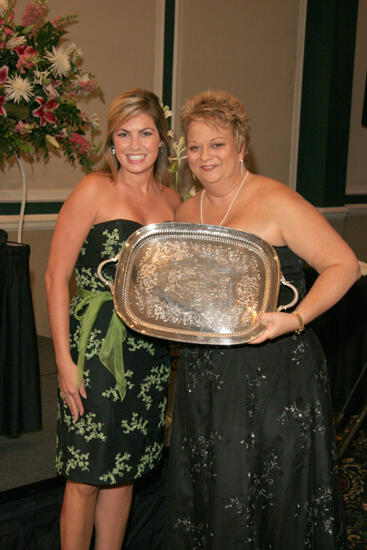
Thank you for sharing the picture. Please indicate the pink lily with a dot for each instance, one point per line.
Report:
(44, 111)
(25, 50)
(51, 91)
(25, 61)
(22, 128)
(4, 70)
(2, 110)
(81, 144)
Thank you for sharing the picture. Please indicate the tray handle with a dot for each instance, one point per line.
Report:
(99, 272)
(295, 292)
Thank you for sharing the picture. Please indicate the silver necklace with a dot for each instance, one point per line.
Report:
(230, 204)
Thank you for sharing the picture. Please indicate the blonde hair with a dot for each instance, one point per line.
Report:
(126, 106)
(221, 109)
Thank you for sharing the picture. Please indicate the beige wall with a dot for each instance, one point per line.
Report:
(249, 49)
(357, 158)
(118, 46)
(350, 222)
(355, 230)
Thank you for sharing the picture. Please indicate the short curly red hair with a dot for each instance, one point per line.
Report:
(221, 109)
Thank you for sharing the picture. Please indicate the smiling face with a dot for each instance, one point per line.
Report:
(137, 144)
(212, 153)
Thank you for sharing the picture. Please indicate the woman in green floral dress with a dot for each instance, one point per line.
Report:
(112, 381)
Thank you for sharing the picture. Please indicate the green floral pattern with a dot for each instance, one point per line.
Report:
(162, 407)
(110, 244)
(85, 278)
(74, 339)
(128, 376)
(137, 343)
(84, 248)
(85, 426)
(149, 458)
(136, 423)
(112, 393)
(76, 460)
(156, 380)
(59, 461)
(114, 441)
(94, 344)
(121, 466)
(86, 378)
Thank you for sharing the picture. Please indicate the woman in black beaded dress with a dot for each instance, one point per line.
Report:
(112, 381)
(252, 462)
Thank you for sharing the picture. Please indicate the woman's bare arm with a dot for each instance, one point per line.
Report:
(74, 221)
(306, 232)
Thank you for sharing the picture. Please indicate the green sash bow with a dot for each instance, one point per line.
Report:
(110, 354)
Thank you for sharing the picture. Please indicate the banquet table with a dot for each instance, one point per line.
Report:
(20, 399)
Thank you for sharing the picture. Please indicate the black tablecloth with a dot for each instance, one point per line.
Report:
(20, 400)
(342, 331)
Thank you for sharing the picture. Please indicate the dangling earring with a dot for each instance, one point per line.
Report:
(113, 150)
(241, 162)
(194, 177)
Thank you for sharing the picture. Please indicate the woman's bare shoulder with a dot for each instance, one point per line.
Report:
(271, 192)
(83, 202)
(172, 197)
(267, 185)
(187, 210)
(92, 182)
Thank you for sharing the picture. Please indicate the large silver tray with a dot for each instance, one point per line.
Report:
(195, 283)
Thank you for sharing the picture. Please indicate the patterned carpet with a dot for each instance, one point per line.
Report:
(353, 477)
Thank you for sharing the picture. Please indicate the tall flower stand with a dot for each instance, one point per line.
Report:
(20, 396)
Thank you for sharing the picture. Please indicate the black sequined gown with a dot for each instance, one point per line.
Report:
(252, 461)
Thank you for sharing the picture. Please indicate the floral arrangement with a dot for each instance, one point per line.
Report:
(177, 160)
(176, 166)
(41, 87)
(179, 150)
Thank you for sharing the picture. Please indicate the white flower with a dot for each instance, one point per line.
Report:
(60, 63)
(166, 110)
(70, 48)
(15, 41)
(93, 119)
(84, 78)
(171, 134)
(17, 88)
(3, 6)
(39, 77)
(73, 51)
(51, 91)
(53, 141)
(179, 148)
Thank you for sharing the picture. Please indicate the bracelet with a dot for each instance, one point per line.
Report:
(301, 327)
